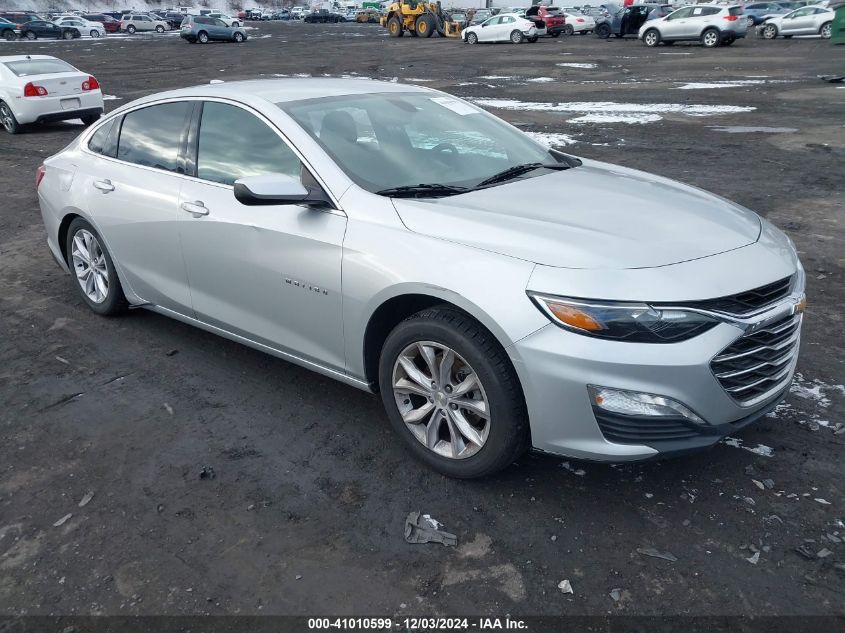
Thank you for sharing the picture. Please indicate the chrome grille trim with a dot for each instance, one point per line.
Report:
(758, 364)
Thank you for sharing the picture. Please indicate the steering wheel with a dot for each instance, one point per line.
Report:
(445, 149)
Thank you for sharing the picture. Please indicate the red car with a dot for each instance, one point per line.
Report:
(552, 16)
(109, 23)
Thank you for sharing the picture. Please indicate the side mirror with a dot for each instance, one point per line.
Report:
(270, 189)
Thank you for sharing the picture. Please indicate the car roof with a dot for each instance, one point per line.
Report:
(294, 89)
(20, 58)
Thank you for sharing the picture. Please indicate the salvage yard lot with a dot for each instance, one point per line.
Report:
(305, 488)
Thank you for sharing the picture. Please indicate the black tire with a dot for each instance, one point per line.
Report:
(711, 38)
(202, 37)
(569, 29)
(517, 37)
(8, 120)
(425, 25)
(728, 41)
(533, 40)
(770, 31)
(508, 436)
(159, 29)
(826, 30)
(651, 38)
(67, 35)
(603, 31)
(394, 27)
(94, 33)
(115, 302)
(238, 37)
(30, 35)
(669, 43)
(472, 38)
(91, 119)
(9, 35)
(555, 34)
(131, 29)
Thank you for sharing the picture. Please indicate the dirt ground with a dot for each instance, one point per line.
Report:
(304, 512)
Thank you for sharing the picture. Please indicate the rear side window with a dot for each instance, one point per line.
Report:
(103, 141)
(735, 11)
(258, 150)
(151, 136)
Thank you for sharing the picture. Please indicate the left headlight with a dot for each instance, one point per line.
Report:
(630, 322)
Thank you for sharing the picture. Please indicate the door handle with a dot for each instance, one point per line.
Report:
(196, 209)
(104, 185)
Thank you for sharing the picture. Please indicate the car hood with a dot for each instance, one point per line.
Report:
(595, 216)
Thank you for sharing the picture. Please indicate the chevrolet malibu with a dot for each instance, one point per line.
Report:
(408, 243)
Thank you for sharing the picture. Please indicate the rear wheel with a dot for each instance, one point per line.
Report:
(425, 25)
(452, 394)
(826, 30)
(603, 31)
(394, 27)
(472, 38)
(67, 35)
(569, 29)
(517, 37)
(93, 270)
(651, 37)
(711, 38)
(750, 22)
(728, 41)
(770, 32)
(8, 120)
(202, 37)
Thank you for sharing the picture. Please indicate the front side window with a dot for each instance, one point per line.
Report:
(234, 143)
(151, 136)
(680, 14)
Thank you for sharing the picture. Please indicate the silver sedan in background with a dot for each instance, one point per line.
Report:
(409, 243)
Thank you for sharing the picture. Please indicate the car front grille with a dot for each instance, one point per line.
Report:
(758, 363)
(747, 302)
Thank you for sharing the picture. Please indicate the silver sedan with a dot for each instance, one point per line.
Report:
(497, 294)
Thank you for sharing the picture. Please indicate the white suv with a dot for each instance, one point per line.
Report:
(228, 20)
(141, 22)
(710, 24)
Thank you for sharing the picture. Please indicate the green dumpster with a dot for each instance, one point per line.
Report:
(837, 31)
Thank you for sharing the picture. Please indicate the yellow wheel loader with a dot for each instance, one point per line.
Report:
(420, 19)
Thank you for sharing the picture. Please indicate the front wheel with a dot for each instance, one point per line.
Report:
(131, 29)
(826, 30)
(239, 37)
(472, 38)
(159, 29)
(711, 38)
(30, 35)
(67, 35)
(651, 37)
(603, 31)
(93, 270)
(569, 29)
(452, 394)
(770, 32)
(8, 120)
(94, 33)
(394, 27)
(9, 35)
(517, 37)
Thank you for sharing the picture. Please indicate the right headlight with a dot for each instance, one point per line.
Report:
(630, 322)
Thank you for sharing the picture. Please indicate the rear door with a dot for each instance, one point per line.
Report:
(270, 273)
(132, 186)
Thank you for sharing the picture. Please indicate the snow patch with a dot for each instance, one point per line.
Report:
(541, 80)
(552, 139)
(576, 65)
(760, 449)
(815, 391)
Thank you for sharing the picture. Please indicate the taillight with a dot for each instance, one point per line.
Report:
(731, 18)
(33, 90)
(579, 20)
(39, 175)
(90, 84)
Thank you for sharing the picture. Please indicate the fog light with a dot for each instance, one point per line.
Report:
(638, 403)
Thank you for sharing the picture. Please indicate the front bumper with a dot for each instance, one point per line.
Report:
(49, 108)
(555, 366)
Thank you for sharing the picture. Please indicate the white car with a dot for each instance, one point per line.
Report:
(228, 20)
(578, 23)
(40, 88)
(502, 28)
(86, 27)
(812, 20)
(133, 23)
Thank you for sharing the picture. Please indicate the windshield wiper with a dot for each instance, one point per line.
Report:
(423, 190)
(519, 170)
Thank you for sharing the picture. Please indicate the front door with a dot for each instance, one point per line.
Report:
(269, 273)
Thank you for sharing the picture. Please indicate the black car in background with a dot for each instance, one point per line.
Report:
(42, 28)
(324, 15)
(173, 18)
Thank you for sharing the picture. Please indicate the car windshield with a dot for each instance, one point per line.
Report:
(390, 140)
(29, 67)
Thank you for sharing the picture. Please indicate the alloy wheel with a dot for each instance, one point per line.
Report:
(6, 117)
(441, 400)
(651, 38)
(711, 38)
(89, 265)
(826, 31)
(750, 22)
(770, 32)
